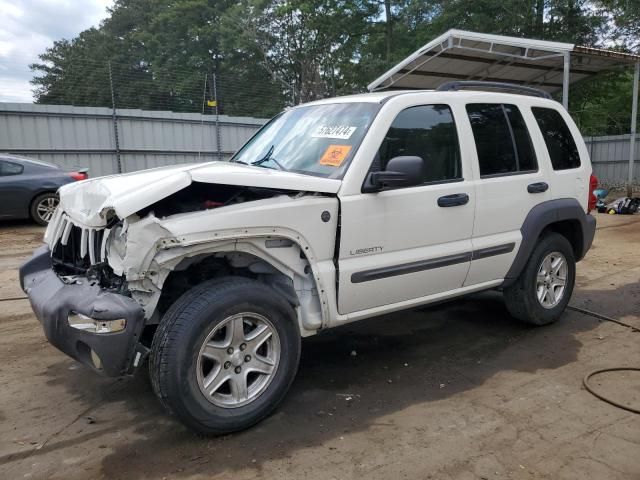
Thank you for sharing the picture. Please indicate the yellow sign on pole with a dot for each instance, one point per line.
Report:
(212, 103)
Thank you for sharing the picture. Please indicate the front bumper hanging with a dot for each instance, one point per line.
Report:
(98, 328)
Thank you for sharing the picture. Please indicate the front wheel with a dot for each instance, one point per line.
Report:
(544, 287)
(225, 355)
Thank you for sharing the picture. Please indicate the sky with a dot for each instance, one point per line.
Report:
(28, 27)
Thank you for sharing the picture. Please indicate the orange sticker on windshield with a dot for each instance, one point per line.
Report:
(334, 155)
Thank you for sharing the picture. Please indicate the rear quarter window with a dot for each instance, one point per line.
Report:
(10, 168)
(502, 139)
(558, 138)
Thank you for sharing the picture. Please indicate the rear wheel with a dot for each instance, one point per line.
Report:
(43, 207)
(544, 288)
(225, 355)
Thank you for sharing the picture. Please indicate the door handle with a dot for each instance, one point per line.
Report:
(453, 200)
(537, 187)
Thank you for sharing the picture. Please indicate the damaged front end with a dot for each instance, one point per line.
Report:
(79, 251)
(103, 280)
(98, 327)
(85, 309)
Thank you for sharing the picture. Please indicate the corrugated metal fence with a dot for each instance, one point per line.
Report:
(610, 159)
(85, 136)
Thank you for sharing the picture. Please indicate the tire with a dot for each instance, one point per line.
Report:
(192, 344)
(522, 297)
(42, 208)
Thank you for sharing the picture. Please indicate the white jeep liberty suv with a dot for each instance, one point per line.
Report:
(335, 211)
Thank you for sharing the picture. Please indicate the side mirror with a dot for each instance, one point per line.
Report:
(401, 172)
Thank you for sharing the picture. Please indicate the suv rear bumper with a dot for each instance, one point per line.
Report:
(53, 301)
(588, 232)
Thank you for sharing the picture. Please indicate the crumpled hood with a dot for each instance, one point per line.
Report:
(87, 201)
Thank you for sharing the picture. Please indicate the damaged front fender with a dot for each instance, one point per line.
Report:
(284, 256)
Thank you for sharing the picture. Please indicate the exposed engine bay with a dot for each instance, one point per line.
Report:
(204, 196)
(162, 250)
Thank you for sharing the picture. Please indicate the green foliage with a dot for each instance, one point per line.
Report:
(602, 106)
(267, 54)
(625, 15)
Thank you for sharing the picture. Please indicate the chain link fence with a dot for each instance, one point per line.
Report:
(113, 117)
(222, 109)
(86, 82)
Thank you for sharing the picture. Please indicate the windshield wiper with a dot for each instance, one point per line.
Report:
(268, 157)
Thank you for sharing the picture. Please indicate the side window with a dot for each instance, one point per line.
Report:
(557, 136)
(426, 131)
(526, 157)
(10, 168)
(502, 139)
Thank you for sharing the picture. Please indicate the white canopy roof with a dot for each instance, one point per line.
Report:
(549, 66)
(462, 55)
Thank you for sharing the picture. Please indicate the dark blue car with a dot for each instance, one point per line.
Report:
(28, 187)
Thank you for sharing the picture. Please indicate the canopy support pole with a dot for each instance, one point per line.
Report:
(565, 80)
(634, 119)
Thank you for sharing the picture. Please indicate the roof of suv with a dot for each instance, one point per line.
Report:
(380, 97)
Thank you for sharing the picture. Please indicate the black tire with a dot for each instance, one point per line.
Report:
(521, 297)
(42, 199)
(184, 329)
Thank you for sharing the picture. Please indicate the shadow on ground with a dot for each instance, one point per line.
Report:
(401, 359)
(620, 300)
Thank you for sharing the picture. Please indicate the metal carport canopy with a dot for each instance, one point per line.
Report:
(549, 66)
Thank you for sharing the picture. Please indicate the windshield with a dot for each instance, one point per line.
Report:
(316, 140)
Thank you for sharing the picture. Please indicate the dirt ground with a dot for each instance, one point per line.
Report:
(457, 391)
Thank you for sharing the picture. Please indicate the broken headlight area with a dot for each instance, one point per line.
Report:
(101, 275)
(104, 276)
(85, 323)
(75, 248)
(117, 241)
(79, 253)
(206, 196)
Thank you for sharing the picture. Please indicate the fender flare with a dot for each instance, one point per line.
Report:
(539, 218)
(174, 250)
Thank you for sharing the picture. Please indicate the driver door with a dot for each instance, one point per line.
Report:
(403, 244)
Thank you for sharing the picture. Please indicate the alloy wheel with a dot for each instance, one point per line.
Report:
(551, 279)
(238, 360)
(46, 208)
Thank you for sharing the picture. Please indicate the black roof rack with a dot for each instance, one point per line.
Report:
(472, 84)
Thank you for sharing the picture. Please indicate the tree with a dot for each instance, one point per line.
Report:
(77, 71)
(160, 52)
(625, 15)
(306, 45)
(267, 54)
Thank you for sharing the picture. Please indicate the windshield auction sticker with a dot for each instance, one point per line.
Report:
(343, 132)
(334, 155)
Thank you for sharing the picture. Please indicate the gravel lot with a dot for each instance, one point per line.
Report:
(454, 391)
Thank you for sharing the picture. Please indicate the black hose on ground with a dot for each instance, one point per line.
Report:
(585, 380)
(599, 316)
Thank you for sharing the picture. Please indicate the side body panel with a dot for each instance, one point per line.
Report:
(502, 207)
(399, 245)
(503, 203)
(395, 230)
